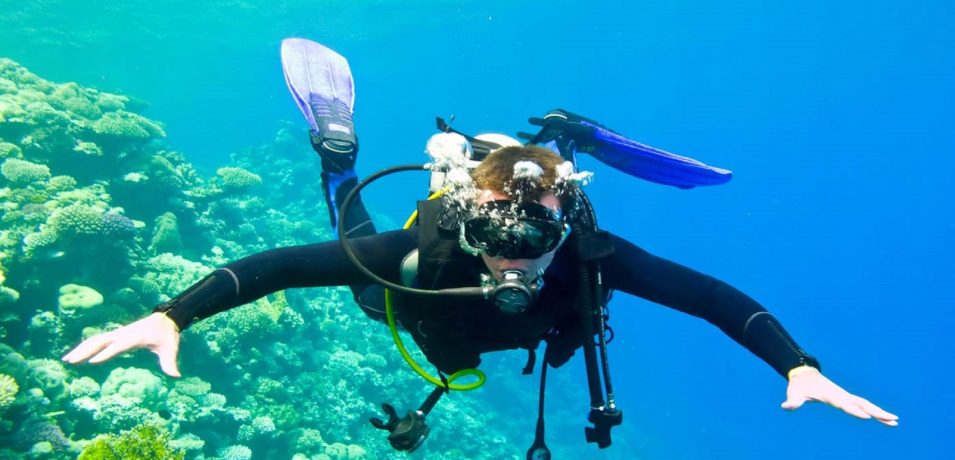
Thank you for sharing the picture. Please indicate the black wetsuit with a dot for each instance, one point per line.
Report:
(629, 269)
(474, 326)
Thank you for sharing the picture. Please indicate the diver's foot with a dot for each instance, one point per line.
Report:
(335, 141)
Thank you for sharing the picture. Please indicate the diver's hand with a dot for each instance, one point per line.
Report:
(810, 385)
(156, 332)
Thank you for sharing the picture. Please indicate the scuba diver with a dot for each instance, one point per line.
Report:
(506, 253)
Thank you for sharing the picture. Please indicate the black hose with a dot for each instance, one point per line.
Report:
(585, 304)
(350, 253)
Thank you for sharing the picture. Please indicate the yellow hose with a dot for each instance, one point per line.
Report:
(390, 314)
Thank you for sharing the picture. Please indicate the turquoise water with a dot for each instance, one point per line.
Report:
(836, 120)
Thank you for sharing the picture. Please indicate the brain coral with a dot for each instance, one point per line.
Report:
(74, 297)
(133, 383)
(50, 375)
(23, 172)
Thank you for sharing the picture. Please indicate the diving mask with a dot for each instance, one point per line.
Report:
(513, 230)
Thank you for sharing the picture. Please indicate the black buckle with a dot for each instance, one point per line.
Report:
(603, 419)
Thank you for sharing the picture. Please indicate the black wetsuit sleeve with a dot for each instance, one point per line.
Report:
(314, 265)
(635, 271)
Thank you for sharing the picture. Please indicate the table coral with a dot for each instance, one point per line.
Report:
(24, 172)
(8, 150)
(237, 178)
(127, 125)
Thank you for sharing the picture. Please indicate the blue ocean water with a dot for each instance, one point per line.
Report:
(835, 118)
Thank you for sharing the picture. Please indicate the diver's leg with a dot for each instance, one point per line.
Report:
(338, 180)
(321, 84)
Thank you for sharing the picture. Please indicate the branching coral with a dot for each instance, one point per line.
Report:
(77, 220)
(339, 451)
(118, 227)
(145, 442)
(236, 452)
(58, 184)
(35, 242)
(173, 274)
(8, 296)
(260, 426)
(83, 386)
(8, 391)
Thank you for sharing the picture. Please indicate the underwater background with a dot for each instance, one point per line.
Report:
(145, 143)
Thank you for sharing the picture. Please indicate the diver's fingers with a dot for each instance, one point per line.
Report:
(850, 407)
(87, 348)
(113, 349)
(167, 358)
(881, 415)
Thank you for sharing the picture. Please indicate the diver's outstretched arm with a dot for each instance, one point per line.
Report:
(637, 272)
(243, 281)
(808, 384)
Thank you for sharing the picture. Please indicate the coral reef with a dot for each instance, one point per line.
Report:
(8, 391)
(100, 220)
(146, 442)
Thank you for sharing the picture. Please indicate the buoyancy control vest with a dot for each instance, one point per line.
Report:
(453, 333)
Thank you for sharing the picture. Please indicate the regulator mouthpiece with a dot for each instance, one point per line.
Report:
(514, 294)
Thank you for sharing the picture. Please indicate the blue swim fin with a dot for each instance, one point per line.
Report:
(570, 133)
(321, 84)
(320, 81)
